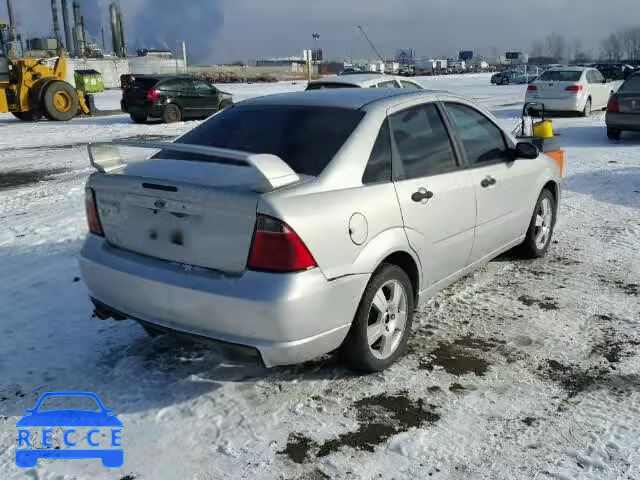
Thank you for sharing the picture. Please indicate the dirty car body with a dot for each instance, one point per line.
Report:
(274, 249)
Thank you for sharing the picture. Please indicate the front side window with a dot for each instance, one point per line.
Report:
(379, 166)
(204, 88)
(422, 144)
(483, 141)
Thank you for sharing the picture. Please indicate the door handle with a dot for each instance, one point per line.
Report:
(422, 195)
(488, 181)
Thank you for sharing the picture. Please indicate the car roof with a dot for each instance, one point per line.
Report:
(570, 69)
(357, 79)
(350, 98)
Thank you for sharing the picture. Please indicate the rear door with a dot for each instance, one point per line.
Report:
(208, 98)
(502, 186)
(600, 90)
(181, 92)
(435, 193)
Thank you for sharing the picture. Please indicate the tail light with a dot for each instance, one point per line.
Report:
(93, 218)
(532, 88)
(613, 106)
(277, 248)
(574, 88)
(153, 95)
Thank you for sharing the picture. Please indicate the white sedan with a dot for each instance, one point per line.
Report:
(571, 89)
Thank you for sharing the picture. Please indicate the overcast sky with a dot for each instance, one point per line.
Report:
(225, 30)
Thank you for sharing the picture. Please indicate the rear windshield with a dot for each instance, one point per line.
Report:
(145, 83)
(323, 85)
(631, 85)
(561, 76)
(306, 138)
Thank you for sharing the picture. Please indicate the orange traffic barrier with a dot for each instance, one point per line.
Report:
(558, 156)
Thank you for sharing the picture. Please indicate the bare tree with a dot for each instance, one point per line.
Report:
(538, 49)
(611, 47)
(556, 46)
(631, 43)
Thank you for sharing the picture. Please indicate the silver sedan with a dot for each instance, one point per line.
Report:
(303, 223)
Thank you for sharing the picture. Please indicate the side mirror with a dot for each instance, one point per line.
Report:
(526, 150)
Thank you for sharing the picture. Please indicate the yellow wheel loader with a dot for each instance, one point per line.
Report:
(31, 89)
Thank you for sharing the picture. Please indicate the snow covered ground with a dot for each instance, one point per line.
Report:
(524, 370)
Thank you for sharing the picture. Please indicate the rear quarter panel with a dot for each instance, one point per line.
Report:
(320, 211)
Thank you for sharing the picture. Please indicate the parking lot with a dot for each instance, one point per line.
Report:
(523, 370)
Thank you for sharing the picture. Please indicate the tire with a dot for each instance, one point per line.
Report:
(151, 330)
(613, 133)
(171, 114)
(389, 281)
(224, 104)
(138, 118)
(536, 243)
(587, 108)
(60, 101)
(30, 116)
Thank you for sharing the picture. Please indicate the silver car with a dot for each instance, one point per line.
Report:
(302, 223)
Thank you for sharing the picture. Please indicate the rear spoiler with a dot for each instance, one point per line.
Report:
(105, 158)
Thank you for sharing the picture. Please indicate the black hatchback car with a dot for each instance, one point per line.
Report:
(171, 98)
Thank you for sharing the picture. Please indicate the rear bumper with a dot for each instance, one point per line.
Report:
(287, 318)
(623, 121)
(148, 110)
(575, 103)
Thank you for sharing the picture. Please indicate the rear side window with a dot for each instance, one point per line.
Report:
(422, 144)
(305, 137)
(483, 141)
(324, 85)
(181, 85)
(561, 76)
(379, 166)
(390, 84)
(631, 85)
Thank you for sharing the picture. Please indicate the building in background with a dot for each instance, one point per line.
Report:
(514, 58)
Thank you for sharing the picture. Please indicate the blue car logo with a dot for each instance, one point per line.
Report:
(38, 425)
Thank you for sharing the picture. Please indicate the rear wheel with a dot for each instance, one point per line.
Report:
(382, 324)
(541, 227)
(613, 133)
(171, 114)
(30, 116)
(60, 101)
(138, 118)
(587, 108)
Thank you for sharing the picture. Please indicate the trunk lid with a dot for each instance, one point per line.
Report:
(197, 213)
(554, 89)
(136, 94)
(629, 102)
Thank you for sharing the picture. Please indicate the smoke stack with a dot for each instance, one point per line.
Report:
(123, 41)
(117, 30)
(56, 23)
(12, 22)
(67, 28)
(78, 29)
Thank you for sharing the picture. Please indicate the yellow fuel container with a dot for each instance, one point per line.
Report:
(543, 129)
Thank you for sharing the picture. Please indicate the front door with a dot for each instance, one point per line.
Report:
(208, 98)
(503, 187)
(435, 193)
